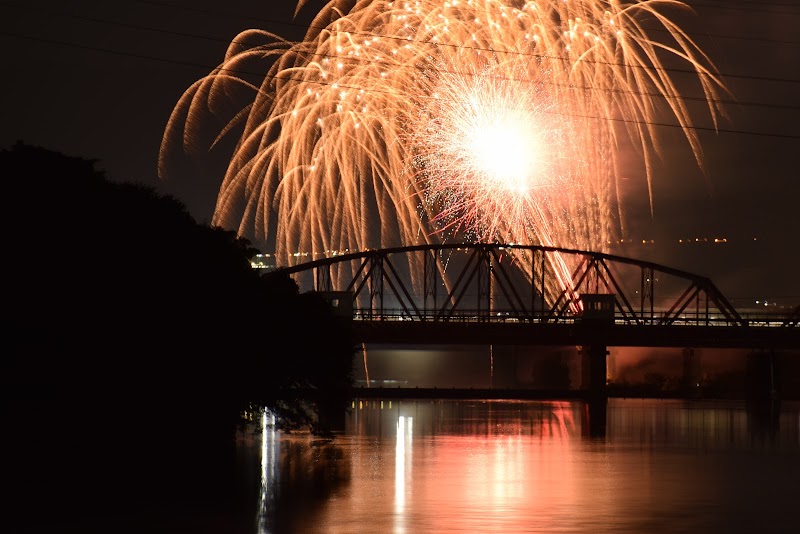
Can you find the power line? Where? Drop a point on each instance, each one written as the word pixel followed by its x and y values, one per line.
pixel 304 27
pixel 227 41
pixel 239 72
pixel 722 5
pixel 289 79
pixel 727 5
pixel 370 34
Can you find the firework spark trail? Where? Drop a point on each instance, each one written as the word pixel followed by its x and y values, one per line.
pixel 398 123
pixel 491 160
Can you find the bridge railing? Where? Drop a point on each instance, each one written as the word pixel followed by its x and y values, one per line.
pixel 512 316
pixel 471 282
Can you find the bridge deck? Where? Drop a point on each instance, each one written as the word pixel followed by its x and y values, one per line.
pixel 577 334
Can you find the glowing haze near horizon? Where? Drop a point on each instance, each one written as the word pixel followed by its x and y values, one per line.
pixel 409 122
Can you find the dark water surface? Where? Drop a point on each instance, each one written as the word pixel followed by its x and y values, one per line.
pixel 431 466
pixel 422 466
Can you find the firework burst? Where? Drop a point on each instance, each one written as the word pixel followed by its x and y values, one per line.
pixel 404 122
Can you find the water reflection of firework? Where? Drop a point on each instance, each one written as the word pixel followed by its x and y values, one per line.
pixel 397 123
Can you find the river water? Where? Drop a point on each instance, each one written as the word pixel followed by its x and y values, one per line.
pixel 441 466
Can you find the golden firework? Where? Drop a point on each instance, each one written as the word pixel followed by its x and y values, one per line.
pixel 404 122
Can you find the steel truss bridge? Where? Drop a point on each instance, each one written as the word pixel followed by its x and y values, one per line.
pixel 525 294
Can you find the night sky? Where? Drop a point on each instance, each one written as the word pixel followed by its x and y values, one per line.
pixel 99 80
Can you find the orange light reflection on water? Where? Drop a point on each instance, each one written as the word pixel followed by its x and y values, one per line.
pixel 473 475
pixel 497 466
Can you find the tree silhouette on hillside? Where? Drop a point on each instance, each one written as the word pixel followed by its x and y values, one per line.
pixel 129 325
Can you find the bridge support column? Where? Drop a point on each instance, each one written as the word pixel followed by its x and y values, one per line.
pixel 690 381
pixel 761 375
pixel 763 394
pixel 594 367
pixel 504 366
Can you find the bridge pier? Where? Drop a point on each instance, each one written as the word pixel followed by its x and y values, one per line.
pixel 594 360
pixel 504 366
pixel 762 376
pixel 763 393
pixel 690 382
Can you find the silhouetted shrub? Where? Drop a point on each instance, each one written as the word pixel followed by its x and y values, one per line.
pixel 137 335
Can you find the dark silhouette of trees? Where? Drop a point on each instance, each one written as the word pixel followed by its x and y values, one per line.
pixel 135 337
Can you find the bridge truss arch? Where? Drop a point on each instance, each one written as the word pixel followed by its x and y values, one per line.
pixel 512 282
